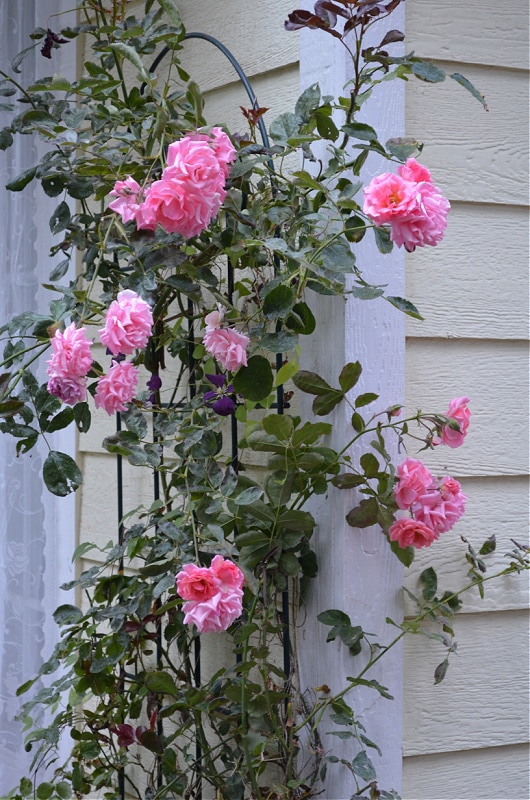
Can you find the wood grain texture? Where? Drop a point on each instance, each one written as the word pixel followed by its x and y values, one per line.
pixel 480 272
pixel 494 773
pixel 474 155
pixel 507 519
pixel 475 32
pixel 483 701
pixel 494 375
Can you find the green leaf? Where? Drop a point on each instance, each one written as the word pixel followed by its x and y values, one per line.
pixel 383 241
pixel 349 375
pixel 248 496
pixel 21 180
pixel 337 257
pixel 60 218
pixel 324 404
pixel 488 546
pixel 306 103
pixel 404 554
pixel 67 615
pixel 406 306
pixel 44 791
pixel 303 178
pixel 286 372
pixel 301 320
pixel 348 480
pixel 311 383
pixel 359 130
pixel 402 148
pixel 334 617
pixel 60 420
pixel 171 12
pixel 81 549
pixel 293 520
pixel 131 55
pixel 60 270
pixel 161 683
pixel 255 380
pixel 440 671
pixel 279 342
pixel 284 127
pixel 427 71
pixel 6 139
pixel 63 790
pixel 365 399
pixel 278 302
pixel 61 474
pixel 82 417
pixel 429 580
pixel 470 88
pixel 370 465
pixel 364 515
pixel 363 767
pixel 280 426
pixel 367 292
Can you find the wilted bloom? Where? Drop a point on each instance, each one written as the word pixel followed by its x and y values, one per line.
pixel 409 531
pixel 228 347
pixel 410 203
pixel 459 412
pixel 117 387
pixel 222 400
pixel 69 390
pixel 128 324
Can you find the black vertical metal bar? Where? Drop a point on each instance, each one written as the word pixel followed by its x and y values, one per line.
pixel 119 478
pixel 159 724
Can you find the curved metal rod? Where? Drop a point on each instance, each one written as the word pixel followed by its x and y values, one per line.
pixel 236 65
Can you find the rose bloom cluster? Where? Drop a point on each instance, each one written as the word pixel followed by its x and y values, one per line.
pixel 213 594
pixel 226 345
pixel 128 326
pixel 190 191
pixel 410 203
pixel 435 505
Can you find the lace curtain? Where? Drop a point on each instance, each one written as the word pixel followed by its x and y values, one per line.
pixel 36 529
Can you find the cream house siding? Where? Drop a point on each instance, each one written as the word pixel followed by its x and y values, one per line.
pixel 467 737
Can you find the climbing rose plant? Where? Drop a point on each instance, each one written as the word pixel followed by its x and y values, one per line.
pixel 200 260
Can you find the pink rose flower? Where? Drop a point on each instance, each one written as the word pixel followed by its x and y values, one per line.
pixel 441 507
pixel 71 356
pixel 427 224
pixel 117 387
pixel 128 324
pixel 414 481
pixel 227 573
pixel 410 203
pixel 129 196
pixel 215 614
pixel 458 411
pixel 228 347
pixel 389 197
pixel 192 187
pixel 214 319
pixel 408 532
pixel 414 172
pixel 69 390
pixel 196 583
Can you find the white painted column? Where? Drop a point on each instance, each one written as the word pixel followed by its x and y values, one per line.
pixel 358 574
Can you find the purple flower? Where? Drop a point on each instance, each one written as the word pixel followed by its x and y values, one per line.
pixel 222 399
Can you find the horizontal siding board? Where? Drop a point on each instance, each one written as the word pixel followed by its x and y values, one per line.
pixel 474 155
pixel 255 36
pixel 507 519
pixel 493 374
pixel 494 773
pixel 483 701
pixel 475 32
pixel 475 283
